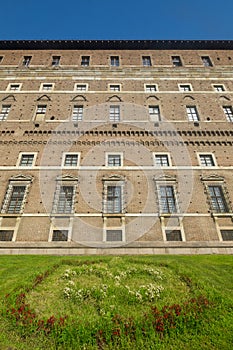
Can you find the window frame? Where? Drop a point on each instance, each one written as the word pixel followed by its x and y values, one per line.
pixel 114 61
pixel 155 116
pixel 56 60
pixel 4 114
pixel 85 61
pixel 176 61
pixel 40 112
pixel 21 154
pixel 109 154
pixel 216 206
pixel 78 115
pixel 116 85
pixel 151 90
pixel 185 85
pixel 85 85
pixel 65 154
pixel 201 154
pixel 206 61
pixel 168 156
pixel 171 208
pixel 146 61
pixel 43 89
pixel 195 115
pixel 15 90
pixel 114 114
pixel 26 61
pixel 228 115
pixel 215 87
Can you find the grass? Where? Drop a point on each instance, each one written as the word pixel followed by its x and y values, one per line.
pixel 116 302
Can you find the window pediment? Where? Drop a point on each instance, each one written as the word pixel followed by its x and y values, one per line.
pixel 21 177
pixel 212 177
pixel 9 98
pixel 152 97
pixel 44 98
pixel 78 98
pixel 114 98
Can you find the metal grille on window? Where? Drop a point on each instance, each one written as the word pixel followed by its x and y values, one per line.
pixel 228 110
pixel 60 235
pixel 77 114
pixel 16 199
pixel 113 235
pixel 167 199
pixel 114 160
pixel 26 160
pixel 71 160
pixel 65 199
pixel 192 113
pixel 4 112
pixel 114 199
pixel 227 235
pixel 162 160
pixel 218 201
pixel 6 235
pixel 114 113
pixel 173 235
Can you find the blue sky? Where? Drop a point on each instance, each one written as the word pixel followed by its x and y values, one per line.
pixel 116 19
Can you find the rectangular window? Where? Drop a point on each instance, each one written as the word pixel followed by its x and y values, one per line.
pixel 192 113
pixel 40 112
pixel 114 160
pixel 206 61
pixel 228 110
pixel 185 87
pixel 56 61
pixel 167 199
pixel 4 112
pixel 60 235
pixel 113 235
pixel 150 88
pixel 71 160
pixel 16 199
pixel 227 235
pixel 114 114
pixel 176 61
pixel 77 113
pixel 85 61
pixel 114 87
pixel 81 87
pixel 26 160
pixel 173 235
pixel 146 61
pixel 154 113
pixel 26 60
pixel 65 199
pixel 14 87
pixel 114 61
pixel 47 87
pixel 1 58
pixel 206 160
pixel 162 160
pixel 218 201
pixel 218 88
pixel 114 199
pixel 6 235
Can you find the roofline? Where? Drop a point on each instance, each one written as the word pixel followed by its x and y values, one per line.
pixel 116 44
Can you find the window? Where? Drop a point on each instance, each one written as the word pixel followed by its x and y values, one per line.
pixel 173 235
pixel 81 87
pixel 27 160
pixel 71 160
pixel 85 61
pixel 114 199
pixel 218 202
pixel 206 61
pixel 4 112
pixel 192 113
pixel 146 61
pixel 162 160
pixel 114 114
pixel 14 87
pixel 77 114
pixel 26 60
pixel 176 61
pixel 219 88
pixel 60 235
pixel 1 58
pixel 206 160
pixel 56 61
pixel 47 87
pixel 114 61
pixel 154 113
pixel 6 235
pixel 40 112
pixel 167 199
pixel 185 87
pixel 115 87
pixel 227 235
pixel 228 110
pixel 114 160
pixel 16 199
pixel 113 235
pixel 65 200
pixel 150 88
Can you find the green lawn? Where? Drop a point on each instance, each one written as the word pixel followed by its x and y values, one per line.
pixel 116 302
